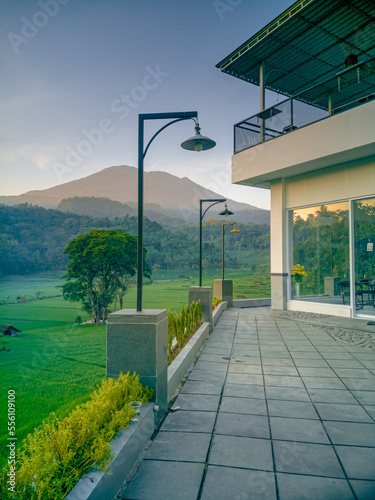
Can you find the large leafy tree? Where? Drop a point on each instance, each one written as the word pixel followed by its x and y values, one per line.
pixel 100 263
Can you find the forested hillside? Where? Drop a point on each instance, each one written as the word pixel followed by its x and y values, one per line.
pixel 33 239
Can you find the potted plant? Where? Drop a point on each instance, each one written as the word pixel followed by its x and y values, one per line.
pixel 298 272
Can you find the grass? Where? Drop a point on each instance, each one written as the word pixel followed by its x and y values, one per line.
pixel 53 364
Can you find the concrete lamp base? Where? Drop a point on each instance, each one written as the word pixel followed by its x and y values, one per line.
pixel 223 290
pixel 204 294
pixel 138 342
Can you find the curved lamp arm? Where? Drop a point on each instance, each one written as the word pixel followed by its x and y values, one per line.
pixel 162 128
pixel 216 202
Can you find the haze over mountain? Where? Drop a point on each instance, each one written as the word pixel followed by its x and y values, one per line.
pixel 163 192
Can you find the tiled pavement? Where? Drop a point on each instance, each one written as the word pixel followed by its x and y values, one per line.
pixel 273 409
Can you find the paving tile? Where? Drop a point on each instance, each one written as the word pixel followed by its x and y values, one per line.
pixel 365 397
pixel 210 366
pixel 370 410
pixel 243 405
pixel 207 376
pixel 200 387
pixel 342 412
pixel 345 363
pixel 280 370
pixel 224 483
pixel 307 458
pixel 242 368
pixel 244 391
pixel 323 383
pixel 337 355
pixel 316 372
pixel 180 446
pixel 232 424
pixel 244 452
pixel 351 433
pixel 152 481
pixel 190 421
pixel 287 393
pixel 298 429
pixel 277 362
pixel 282 381
pixel 217 358
pixel 332 396
pixel 304 348
pixel 224 351
pixel 276 354
pixel 293 409
pixel 200 402
pixel 307 355
pixel 246 359
pixel 364 490
pixel 298 487
pixel 368 364
pixel 359 463
pixel 310 363
pixel 244 378
pixel 355 373
pixel 358 384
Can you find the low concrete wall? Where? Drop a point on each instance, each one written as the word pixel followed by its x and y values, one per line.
pixel 181 363
pixel 127 446
pixel 252 302
pixel 218 311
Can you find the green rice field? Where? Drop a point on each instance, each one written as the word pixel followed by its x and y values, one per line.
pixel 54 364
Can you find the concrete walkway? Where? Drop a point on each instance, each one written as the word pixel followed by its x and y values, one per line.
pixel 274 408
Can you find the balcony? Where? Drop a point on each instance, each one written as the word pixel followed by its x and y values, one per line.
pixel 346 90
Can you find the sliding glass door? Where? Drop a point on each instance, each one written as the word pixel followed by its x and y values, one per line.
pixel 364 255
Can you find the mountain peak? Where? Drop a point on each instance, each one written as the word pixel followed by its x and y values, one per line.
pixel 119 183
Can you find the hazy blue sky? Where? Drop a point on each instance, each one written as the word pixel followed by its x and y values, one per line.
pixel 76 73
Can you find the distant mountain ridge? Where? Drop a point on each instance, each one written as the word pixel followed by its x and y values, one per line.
pixel 163 193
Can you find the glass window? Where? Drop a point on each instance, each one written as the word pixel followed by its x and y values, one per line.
pixel 320 253
pixel 364 254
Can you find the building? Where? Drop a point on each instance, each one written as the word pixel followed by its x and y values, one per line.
pixel 9 330
pixel 315 150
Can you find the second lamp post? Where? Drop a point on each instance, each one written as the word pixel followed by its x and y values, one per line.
pixel 225 212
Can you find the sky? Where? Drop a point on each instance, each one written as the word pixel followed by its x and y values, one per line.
pixel 76 74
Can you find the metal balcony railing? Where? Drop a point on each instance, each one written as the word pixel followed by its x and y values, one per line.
pixel 349 88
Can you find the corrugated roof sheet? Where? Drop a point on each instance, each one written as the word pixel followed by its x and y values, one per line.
pixel 306 44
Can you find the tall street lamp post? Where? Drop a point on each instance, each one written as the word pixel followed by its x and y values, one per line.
pixel 224 230
pixel 225 212
pixel 195 143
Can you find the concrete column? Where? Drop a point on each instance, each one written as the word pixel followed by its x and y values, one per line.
pixel 204 294
pixel 138 342
pixel 223 290
pixel 279 246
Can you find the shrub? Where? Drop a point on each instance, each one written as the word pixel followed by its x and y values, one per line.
pixel 58 453
pixel 183 325
pixel 78 320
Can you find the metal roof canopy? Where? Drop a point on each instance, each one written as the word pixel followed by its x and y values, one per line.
pixel 306 44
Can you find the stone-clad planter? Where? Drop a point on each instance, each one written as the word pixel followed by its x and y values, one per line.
pixel 127 446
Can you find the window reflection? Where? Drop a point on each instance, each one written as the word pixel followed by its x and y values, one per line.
pixel 320 243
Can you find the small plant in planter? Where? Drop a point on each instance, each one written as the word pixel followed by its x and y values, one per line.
pixel 215 302
pixel 298 272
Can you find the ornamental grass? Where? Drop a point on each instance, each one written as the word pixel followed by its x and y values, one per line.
pixel 56 455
